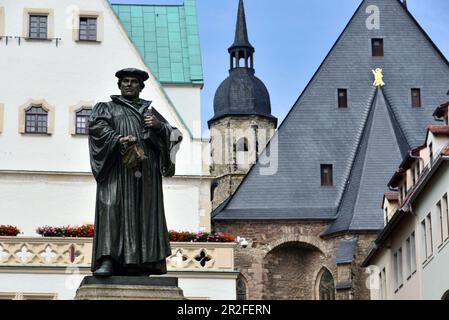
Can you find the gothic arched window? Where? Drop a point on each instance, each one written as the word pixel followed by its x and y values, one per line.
pixel 327 286
pixel 241 288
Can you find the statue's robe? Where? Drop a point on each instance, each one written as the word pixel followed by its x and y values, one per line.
pixel 130 223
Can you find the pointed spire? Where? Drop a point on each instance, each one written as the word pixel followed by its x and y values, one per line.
pixel 241 48
pixel 241 32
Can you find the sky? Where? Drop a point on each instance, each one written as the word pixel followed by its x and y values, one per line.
pixel 291 38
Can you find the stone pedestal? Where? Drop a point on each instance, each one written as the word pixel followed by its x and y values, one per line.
pixel 129 288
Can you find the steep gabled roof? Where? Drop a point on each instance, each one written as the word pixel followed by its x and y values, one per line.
pixel 364 142
pixel 167 38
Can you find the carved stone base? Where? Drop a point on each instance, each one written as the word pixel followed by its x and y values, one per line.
pixel 129 288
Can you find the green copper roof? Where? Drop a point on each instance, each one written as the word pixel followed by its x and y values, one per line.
pixel 167 37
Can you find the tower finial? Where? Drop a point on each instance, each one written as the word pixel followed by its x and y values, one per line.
pixel 241 32
pixel 241 48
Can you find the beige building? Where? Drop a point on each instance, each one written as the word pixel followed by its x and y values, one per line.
pixel 410 257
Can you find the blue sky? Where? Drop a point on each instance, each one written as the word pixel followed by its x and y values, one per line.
pixel 291 38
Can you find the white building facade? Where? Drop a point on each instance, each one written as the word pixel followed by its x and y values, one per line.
pixel 410 258
pixel 58 58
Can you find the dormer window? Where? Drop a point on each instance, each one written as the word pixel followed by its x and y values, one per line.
pixel 377 47
pixel 416 98
pixel 327 179
pixel 342 98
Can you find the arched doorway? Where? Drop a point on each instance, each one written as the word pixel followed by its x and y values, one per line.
pixel 325 285
pixel 289 271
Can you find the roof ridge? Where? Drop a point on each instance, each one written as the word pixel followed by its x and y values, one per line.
pixel 355 150
pixel 358 155
pixel 401 137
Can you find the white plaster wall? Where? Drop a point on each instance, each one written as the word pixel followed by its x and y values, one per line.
pixel 381 261
pixel 65 285
pixel 33 200
pixel 30 201
pixel 411 289
pixel 213 289
pixel 435 278
pixel 64 76
pixel 187 99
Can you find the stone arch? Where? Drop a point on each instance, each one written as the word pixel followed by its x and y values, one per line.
pixel 290 238
pixel 289 267
pixel 318 282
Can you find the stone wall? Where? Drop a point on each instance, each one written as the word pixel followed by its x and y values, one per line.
pixel 284 259
pixel 228 167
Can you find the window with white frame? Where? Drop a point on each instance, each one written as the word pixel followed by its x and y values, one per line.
pixel 408 254
pixel 398 275
pixel 424 240
pixel 413 252
pixel 429 234
pixel 444 209
pixel 441 221
pixel 427 239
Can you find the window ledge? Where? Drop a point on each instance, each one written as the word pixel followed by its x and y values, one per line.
pixel 443 245
pixel 88 41
pixel 38 39
pixel 36 134
pixel 427 261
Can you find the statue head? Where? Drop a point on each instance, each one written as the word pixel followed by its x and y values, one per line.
pixel 131 82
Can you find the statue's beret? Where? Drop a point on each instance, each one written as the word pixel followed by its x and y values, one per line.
pixel 132 72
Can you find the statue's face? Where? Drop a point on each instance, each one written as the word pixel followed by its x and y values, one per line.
pixel 130 88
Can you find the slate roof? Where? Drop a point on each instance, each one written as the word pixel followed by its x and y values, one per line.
pixel 167 38
pixel 346 251
pixel 364 143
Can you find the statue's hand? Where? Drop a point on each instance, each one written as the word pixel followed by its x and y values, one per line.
pixel 126 143
pixel 153 123
pixel 128 140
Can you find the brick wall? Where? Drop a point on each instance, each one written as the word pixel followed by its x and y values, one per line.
pixel 284 258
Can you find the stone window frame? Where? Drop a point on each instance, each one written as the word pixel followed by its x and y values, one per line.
pixel 2 22
pixel 2 116
pixel 46 106
pixel 27 12
pixel 72 115
pixel 88 14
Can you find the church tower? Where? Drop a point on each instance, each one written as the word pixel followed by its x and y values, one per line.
pixel 242 124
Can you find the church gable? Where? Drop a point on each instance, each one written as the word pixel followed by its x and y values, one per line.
pixel 317 131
